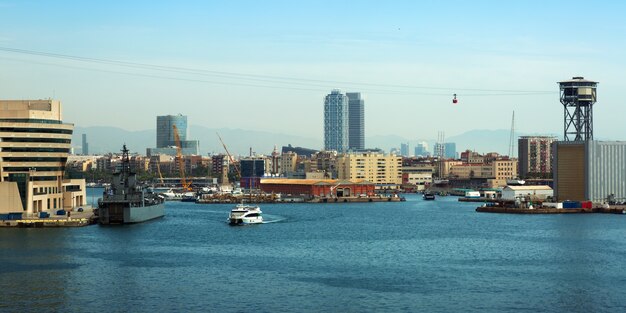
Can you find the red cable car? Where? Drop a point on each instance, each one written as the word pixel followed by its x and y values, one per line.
pixel 455 101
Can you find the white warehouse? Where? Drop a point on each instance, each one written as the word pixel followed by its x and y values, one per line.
pixel 535 192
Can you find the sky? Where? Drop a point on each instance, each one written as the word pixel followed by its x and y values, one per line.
pixel 267 65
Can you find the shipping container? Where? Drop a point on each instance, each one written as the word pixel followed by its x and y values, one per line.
pixel 571 205
pixel 4 216
pixel 44 214
pixel 587 205
pixel 61 212
pixel 15 216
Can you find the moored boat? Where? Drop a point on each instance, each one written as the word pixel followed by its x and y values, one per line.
pixel 428 195
pixel 124 202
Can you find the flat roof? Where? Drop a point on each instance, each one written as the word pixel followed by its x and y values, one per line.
pixel 331 182
pixel 538 187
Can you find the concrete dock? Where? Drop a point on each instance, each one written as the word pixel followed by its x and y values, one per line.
pixel 76 219
pixel 619 209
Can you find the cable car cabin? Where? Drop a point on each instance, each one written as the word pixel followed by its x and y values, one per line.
pixel 454 100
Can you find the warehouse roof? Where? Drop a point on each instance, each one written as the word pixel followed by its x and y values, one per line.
pixel 331 182
pixel 539 187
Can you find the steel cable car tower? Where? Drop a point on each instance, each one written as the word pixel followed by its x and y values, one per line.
pixel 578 96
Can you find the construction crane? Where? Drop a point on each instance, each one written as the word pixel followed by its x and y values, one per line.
pixel 181 164
pixel 230 157
pixel 159 171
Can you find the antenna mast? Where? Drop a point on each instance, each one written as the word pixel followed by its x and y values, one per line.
pixel 512 138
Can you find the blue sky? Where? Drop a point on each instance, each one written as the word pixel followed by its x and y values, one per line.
pixel 300 51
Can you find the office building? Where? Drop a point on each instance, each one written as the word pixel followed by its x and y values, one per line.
pixel 450 150
pixel 336 121
pixel 404 149
pixel 34 147
pixel 356 121
pixel 422 149
pixel 535 156
pixel 252 170
pixel 166 137
pixel 85 150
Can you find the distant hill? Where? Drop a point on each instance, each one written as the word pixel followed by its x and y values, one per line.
pixel 239 141
pixel 103 139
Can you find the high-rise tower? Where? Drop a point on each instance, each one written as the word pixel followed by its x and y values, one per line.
pixel 336 113
pixel 356 121
pixel 166 143
pixel 165 130
pixel 85 150
pixel 578 96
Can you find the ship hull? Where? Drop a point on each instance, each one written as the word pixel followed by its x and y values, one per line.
pixel 117 214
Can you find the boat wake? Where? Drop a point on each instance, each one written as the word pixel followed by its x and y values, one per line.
pixel 267 219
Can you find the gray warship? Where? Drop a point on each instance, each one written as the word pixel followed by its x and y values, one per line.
pixel 125 202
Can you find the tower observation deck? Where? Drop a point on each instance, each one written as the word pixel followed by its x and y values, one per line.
pixel 578 96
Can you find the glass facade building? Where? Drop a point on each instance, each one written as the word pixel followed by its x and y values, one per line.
pixel 165 130
pixel 166 142
pixel 336 121
pixel 356 121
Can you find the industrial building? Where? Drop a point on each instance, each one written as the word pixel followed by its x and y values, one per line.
pixel 529 192
pixel 590 170
pixel 329 188
pixel 167 128
pixel 535 156
pixel 34 147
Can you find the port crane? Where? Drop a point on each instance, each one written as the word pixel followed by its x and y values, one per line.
pixel 159 171
pixel 230 157
pixel 181 163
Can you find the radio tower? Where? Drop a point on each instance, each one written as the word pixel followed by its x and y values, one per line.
pixel 512 138
pixel 441 148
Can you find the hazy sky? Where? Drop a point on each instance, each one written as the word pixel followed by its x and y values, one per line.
pixel 267 65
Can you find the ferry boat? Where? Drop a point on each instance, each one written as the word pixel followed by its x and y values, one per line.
pixel 428 195
pixel 244 214
pixel 124 202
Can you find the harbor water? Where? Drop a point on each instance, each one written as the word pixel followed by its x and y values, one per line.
pixel 413 256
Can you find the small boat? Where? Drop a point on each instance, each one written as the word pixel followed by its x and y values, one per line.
pixel 428 196
pixel 244 214
pixel 189 198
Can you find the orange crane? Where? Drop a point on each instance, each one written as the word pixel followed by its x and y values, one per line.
pixel 181 164
pixel 230 157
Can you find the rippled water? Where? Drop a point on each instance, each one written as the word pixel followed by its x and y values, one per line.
pixel 436 256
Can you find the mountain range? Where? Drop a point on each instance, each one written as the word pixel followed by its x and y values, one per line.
pixel 104 139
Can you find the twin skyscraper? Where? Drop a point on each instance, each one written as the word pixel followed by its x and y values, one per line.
pixel 344 121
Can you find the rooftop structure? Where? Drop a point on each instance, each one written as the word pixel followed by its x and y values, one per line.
pixel 578 96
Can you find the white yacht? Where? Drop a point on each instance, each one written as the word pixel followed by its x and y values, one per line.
pixel 244 214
